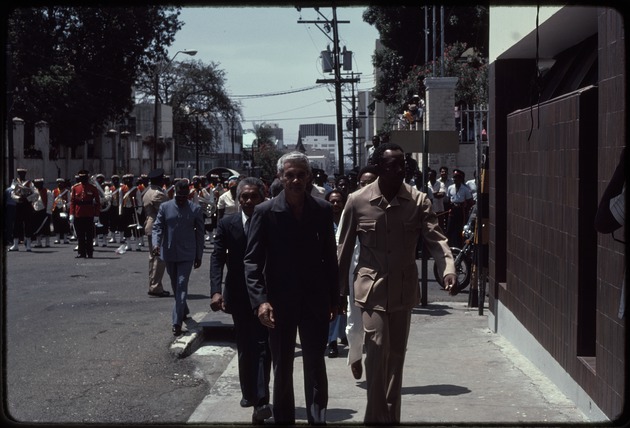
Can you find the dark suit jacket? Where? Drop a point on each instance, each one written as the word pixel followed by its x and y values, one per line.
pixel 229 248
pixel 290 262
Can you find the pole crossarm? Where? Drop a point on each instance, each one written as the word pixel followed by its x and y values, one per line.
pixel 355 80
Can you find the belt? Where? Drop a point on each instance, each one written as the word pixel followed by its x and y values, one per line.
pixel 457 204
pixel 84 202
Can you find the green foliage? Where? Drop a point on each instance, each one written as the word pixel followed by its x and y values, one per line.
pixel 74 67
pixel 401 62
pixel 472 74
pixel 265 152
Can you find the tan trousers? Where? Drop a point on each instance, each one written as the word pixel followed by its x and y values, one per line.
pixel 385 345
pixel 156 270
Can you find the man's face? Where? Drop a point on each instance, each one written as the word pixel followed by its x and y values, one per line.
pixel 295 178
pixel 443 174
pixel 336 200
pixel 181 199
pixel 366 178
pixel 249 198
pixel 392 167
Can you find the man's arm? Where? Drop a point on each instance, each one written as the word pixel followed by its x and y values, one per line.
pixel 199 233
pixel 156 232
pixel 435 240
pixel 605 222
pixel 347 235
pixel 217 263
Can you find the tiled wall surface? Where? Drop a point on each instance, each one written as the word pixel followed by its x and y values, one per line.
pixel 549 167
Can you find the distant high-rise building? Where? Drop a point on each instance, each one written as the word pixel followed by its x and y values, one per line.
pixel 318 130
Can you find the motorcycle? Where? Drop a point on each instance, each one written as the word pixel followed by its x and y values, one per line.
pixel 464 257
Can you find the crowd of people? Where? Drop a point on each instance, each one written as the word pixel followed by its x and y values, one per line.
pixel 36 214
pixel 333 260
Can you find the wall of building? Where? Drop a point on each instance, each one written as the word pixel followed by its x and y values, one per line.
pixel 554 283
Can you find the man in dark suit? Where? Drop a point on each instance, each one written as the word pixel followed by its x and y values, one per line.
pixel 291 273
pixel 252 338
pixel 178 239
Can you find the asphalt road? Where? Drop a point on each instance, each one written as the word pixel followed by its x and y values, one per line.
pixel 83 343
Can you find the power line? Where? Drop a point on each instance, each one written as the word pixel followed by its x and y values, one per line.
pixel 273 94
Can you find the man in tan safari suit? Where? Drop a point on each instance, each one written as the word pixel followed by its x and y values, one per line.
pixel 388 216
pixel 151 201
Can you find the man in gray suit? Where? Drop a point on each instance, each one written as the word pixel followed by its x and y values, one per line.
pixel 153 197
pixel 178 233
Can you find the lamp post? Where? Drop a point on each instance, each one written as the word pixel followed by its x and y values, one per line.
pixel 112 134
pixel 125 135
pixel 156 112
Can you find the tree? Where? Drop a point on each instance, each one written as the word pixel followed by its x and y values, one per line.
pixel 401 31
pixel 74 67
pixel 200 102
pixel 265 153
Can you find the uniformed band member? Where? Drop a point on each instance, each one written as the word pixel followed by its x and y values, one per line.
pixel 103 227
pixel 129 219
pixel 24 195
pixel 115 211
pixel 42 214
pixel 85 206
pixel 61 195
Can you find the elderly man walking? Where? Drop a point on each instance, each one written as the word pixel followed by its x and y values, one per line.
pixel 291 273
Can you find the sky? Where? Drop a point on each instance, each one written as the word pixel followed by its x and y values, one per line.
pixel 264 50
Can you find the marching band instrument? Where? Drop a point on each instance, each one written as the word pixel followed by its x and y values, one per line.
pixel 61 204
pixel 22 189
pixel 106 199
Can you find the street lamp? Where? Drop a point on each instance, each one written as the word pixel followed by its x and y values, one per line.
pixel 112 134
pixel 125 135
pixel 156 112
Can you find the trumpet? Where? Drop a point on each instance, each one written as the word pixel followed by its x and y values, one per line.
pixel 22 189
pixel 106 198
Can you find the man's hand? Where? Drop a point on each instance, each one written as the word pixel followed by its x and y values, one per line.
pixel 333 312
pixel 265 315
pixel 197 263
pixel 156 251
pixel 71 218
pixel 217 303
pixel 450 284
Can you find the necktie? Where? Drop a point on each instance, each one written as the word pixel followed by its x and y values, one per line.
pixel 246 227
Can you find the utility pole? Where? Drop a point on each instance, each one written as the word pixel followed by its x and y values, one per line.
pixel 354 127
pixel 328 25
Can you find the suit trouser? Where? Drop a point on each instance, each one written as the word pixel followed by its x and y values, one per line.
pixel 386 335
pixel 156 270
pixel 254 356
pixel 313 330
pixel 84 226
pixel 354 322
pixel 180 274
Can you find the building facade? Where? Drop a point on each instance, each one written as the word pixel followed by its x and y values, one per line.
pixel 554 283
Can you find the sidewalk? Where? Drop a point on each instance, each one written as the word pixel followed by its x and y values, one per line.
pixel 456 371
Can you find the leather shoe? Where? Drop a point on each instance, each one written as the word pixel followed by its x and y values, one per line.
pixel 177 330
pixel 357 369
pixel 333 351
pixel 261 413
pixel 162 294
pixel 246 403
